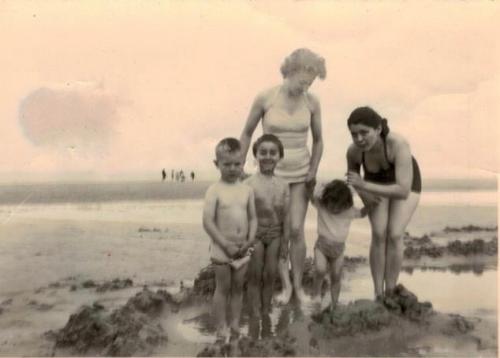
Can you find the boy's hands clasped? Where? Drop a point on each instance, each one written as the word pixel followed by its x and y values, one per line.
pixel 237 250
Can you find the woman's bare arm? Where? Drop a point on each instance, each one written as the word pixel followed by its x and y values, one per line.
pixel 317 137
pixel 256 112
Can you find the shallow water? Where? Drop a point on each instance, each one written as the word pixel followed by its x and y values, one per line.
pixel 177 247
pixel 468 294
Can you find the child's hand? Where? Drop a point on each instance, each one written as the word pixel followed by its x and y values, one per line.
pixel 243 249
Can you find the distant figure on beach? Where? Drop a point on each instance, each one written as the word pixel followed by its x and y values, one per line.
pixel 289 111
pixel 272 199
pixel 176 176
pixel 192 176
pixel 163 175
pixel 335 213
pixel 181 176
pixel 172 175
pixel 391 179
pixel 230 220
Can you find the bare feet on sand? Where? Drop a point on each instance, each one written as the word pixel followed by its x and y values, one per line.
pixel 301 296
pixel 284 297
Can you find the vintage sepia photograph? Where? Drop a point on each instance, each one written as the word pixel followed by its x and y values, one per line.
pixel 249 178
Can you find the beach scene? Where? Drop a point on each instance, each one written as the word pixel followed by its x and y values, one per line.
pixel 61 254
pixel 126 127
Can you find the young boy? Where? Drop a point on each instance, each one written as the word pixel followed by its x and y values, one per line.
pixel 230 220
pixel 272 198
pixel 335 213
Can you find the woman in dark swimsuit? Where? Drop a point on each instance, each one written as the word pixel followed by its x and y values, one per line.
pixel 392 181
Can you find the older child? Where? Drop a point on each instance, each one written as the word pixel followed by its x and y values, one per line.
pixel 272 198
pixel 230 220
pixel 335 213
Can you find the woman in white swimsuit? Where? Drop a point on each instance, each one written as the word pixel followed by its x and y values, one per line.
pixel 288 111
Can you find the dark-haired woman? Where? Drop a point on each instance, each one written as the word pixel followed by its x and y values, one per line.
pixel 391 177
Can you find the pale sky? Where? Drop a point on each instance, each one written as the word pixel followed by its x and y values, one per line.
pixel 117 88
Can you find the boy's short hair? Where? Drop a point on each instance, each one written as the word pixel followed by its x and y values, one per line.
pixel 337 191
pixel 268 138
pixel 227 145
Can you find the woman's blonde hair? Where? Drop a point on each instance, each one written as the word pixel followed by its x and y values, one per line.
pixel 303 58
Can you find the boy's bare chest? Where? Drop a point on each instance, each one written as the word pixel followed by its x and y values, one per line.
pixel 233 199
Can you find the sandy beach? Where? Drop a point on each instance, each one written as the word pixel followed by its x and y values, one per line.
pixel 59 257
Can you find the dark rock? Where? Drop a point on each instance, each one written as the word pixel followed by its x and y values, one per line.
pixel 7 302
pixel 469 228
pixel 204 283
pixel 115 284
pixel 363 316
pixel 458 325
pixel 404 302
pixel 89 284
pixel 475 247
pixel 360 316
pixel 282 346
pixel 128 330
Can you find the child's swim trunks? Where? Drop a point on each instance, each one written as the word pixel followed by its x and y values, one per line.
pixel 331 249
pixel 267 234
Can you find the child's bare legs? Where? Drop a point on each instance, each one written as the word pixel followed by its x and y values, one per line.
pixel 269 276
pixel 221 296
pixel 237 280
pixel 255 279
pixel 336 278
pixel 321 266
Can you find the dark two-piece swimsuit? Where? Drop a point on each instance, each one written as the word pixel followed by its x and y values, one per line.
pixel 388 176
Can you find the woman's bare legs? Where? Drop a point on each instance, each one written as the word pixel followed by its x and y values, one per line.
pixel 379 216
pixel 298 210
pixel 400 213
pixel 286 284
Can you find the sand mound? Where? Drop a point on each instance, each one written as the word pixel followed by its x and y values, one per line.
pixel 128 330
pixel 245 347
pixel 204 283
pixel 365 315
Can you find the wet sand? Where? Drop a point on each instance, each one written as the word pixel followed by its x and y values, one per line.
pixel 53 268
